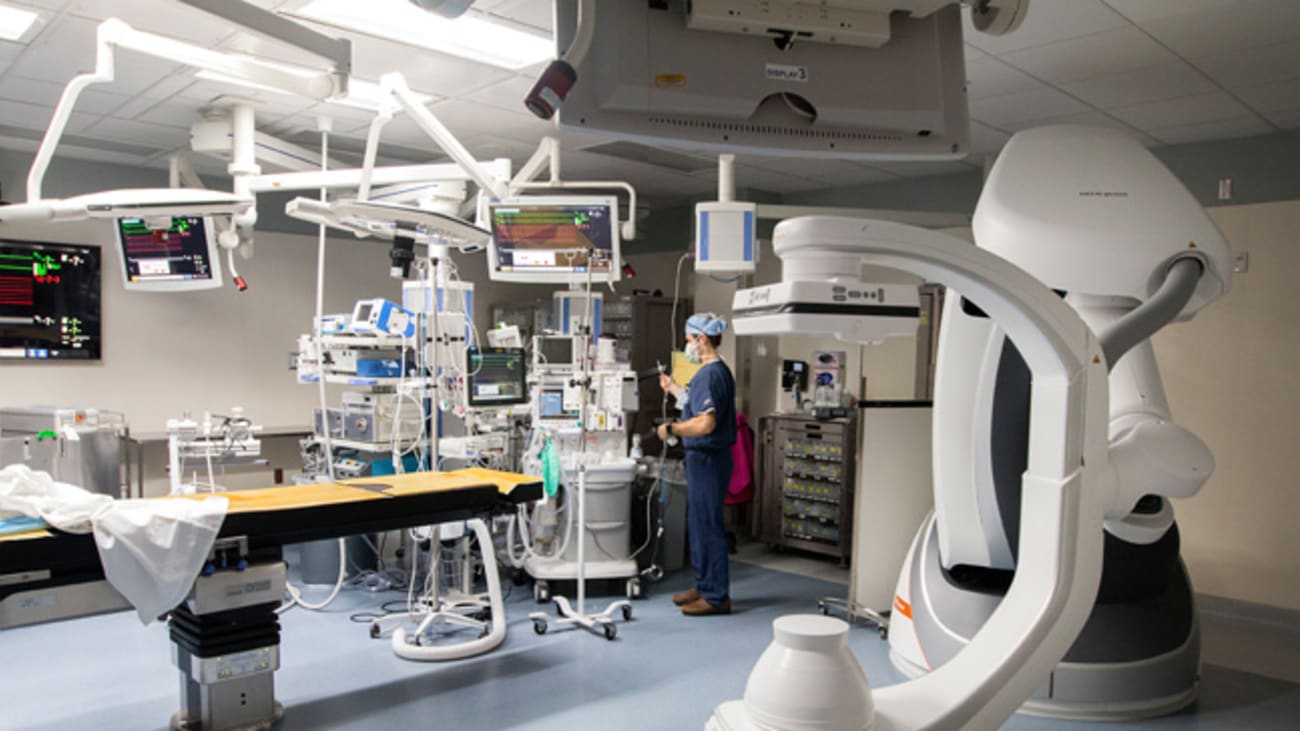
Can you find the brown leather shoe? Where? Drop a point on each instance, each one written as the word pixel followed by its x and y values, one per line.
pixel 701 608
pixel 686 597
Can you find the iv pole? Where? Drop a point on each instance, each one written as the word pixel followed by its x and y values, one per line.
pixel 569 614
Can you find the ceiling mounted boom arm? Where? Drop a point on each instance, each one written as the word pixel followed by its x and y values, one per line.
pixel 114 33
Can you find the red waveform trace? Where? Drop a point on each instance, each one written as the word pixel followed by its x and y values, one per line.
pixel 151 244
pixel 548 234
pixel 16 291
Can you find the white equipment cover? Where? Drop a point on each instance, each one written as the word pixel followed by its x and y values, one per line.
pixel 151 549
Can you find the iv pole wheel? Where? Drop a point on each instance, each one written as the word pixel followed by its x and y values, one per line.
pixel 539 626
pixel 611 631
pixel 627 613
pixel 633 589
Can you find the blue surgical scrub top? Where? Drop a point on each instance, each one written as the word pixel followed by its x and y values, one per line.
pixel 712 389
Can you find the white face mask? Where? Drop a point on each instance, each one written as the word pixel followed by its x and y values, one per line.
pixel 693 352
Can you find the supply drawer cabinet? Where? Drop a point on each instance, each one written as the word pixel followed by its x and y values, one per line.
pixel 806 480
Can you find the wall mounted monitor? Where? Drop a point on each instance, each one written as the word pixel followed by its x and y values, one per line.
pixel 497 377
pixel 554 239
pixel 50 306
pixel 176 254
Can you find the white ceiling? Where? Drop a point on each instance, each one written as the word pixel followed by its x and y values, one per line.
pixel 1167 71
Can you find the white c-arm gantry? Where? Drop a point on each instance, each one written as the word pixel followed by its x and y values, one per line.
pixel 1069 486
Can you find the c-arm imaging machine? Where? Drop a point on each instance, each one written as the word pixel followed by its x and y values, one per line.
pixel 1098 206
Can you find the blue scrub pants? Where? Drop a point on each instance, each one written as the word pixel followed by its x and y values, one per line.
pixel 708 475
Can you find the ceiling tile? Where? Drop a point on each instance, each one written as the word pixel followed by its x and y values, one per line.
pixel 1093 118
pixel 1273 97
pixel 1048 22
pixel 526 12
pixel 1250 66
pixel 426 71
pixel 861 176
pixel 748 176
pixel 1141 11
pixel 1026 105
pixel 1289 119
pixel 67 48
pixel 989 76
pixel 802 167
pixel 1144 85
pixel 1242 24
pixel 141 133
pixel 8 52
pixel 1181 111
pixel 922 169
pixel 47 93
pixel 177 114
pixel 37 117
pixel 1217 130
pixel 984 138
pixel 170 86
pixel 173 20
pixel 469 118
pixel 1099 54
pixel 507 94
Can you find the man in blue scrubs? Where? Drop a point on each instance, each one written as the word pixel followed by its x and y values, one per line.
pixel 708 430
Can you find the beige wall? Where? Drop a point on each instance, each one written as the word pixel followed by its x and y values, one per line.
pixel 1231 377
pixel 167 353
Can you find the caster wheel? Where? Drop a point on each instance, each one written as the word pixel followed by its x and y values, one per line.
pixel 539 626
pixel 633 589
pixel 822 608
pixel 541 592
pixel 884 633
pixel 374 631
pixel 627 613
pixel 610 631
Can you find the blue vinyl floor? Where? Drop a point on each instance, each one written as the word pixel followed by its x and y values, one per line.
pixel 664 671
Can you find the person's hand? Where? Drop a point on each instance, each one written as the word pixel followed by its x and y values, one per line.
pixel 666 383
pixel 663 432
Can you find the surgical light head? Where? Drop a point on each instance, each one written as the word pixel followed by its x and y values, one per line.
pixel 151 204
pixel 391 221
pixel 1091 211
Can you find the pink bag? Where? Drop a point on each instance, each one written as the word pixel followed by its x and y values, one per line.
pixel 741 489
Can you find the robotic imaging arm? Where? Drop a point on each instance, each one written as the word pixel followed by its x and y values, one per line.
pixel 1051 595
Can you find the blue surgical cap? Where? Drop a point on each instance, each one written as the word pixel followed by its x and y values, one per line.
pixel 705 323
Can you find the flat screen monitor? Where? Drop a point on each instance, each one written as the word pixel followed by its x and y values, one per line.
pixel 551 405
pixel 49 301
pixel 497 377
pixel 554 239
pixel 747 92
pixel 556 352
pixel 178 258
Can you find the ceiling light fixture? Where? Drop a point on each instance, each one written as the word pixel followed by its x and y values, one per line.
pixel 361 94
pixel 14 22
pixel 469 36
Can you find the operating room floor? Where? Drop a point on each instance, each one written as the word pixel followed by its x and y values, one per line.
pixel 663 672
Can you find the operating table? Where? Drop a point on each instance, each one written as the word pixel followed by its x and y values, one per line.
pixel 226 634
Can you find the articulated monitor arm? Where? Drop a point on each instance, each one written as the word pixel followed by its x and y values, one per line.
pixel 1068 487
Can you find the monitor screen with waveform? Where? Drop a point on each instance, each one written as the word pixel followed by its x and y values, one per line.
pixel 163 256
pixel 50 307
pixel 554 239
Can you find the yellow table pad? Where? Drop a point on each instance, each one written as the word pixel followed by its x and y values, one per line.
pixel 289 497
